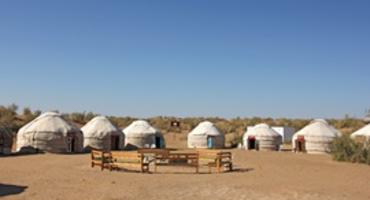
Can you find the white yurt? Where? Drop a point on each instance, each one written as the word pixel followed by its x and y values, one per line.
pixel 50 133
pixel 362 134
pixel 315 137
pixel 206 135
pixel 262 137
pixel 140 134
pixel 6 141
pixel 100 133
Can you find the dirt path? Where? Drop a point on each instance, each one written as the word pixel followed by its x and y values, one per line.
pixel 259 175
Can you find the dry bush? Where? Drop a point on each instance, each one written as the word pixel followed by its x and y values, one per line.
pixel 345 149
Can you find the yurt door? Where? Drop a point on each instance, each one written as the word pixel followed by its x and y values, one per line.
pixel 71 144
pixel 211 142
pixel 251 143
pixel 158 142
pixel 114 143
pixel 2 142
pixel 300 144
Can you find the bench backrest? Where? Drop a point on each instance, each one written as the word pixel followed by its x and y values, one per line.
pixel 98 154
pixel 214 154
pixel 121 156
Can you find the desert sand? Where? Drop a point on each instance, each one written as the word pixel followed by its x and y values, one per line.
pixel 258 175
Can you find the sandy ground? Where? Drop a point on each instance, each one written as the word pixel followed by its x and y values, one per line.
pixel 259 175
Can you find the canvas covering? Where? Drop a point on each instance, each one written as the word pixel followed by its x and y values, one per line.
pixel 98 134
pixel 363 132
pixel 318 136
pixel 198 137
pixel 140 134
pixel 50 133
pixel 267 138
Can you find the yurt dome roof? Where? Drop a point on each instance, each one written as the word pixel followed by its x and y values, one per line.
pixel 206 128
pixel 49 122
pixel 364 131
pixel 140 127
pixel 262 130
pixel 99 127
pixel 319 127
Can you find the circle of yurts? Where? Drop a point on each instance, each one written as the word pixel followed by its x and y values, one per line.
pixel 6 141
pixel 50 133
pixel 199 136
pixel 267 138
pixel 363 132
pixel 100 133
pixel 140 134
pixel 318 136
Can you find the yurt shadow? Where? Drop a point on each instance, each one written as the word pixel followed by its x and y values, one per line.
pixel 28 152
pixel 6 190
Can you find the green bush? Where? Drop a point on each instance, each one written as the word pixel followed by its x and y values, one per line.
pixel 345 149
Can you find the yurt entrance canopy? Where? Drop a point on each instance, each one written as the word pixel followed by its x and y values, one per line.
pixel 100 133
pixel 51 133
pixel 140 134
pixel 206 135
pixel 315 137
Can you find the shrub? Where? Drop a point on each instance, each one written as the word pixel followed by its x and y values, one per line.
pixel 347 150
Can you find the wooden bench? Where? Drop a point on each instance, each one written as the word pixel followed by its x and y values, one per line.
pixel 164 157
pixel 215 158
pixel 100 158
pixel 155 153
pixel 183 159
pixel 124 160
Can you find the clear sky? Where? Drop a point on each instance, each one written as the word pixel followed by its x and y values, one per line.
pixel 286 58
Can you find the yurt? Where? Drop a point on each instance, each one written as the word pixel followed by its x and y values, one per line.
pixel 140 134
pixel 100 133
pixel 6 141
pixel 262 137
pixel 362 134
pixel 206 135
pixel 315 137
pixel 50 133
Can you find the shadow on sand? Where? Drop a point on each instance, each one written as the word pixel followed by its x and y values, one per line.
pixel 241 170
pixel 6 190
pixel 236 170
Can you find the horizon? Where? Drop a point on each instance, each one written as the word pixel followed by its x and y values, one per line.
pixel 286 59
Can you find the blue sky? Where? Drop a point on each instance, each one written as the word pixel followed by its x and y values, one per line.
pixel 288 58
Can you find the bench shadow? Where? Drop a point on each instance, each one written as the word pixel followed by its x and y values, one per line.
pixel 130 171
pixel 236 170
pixel 241 170
pixel 6 189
